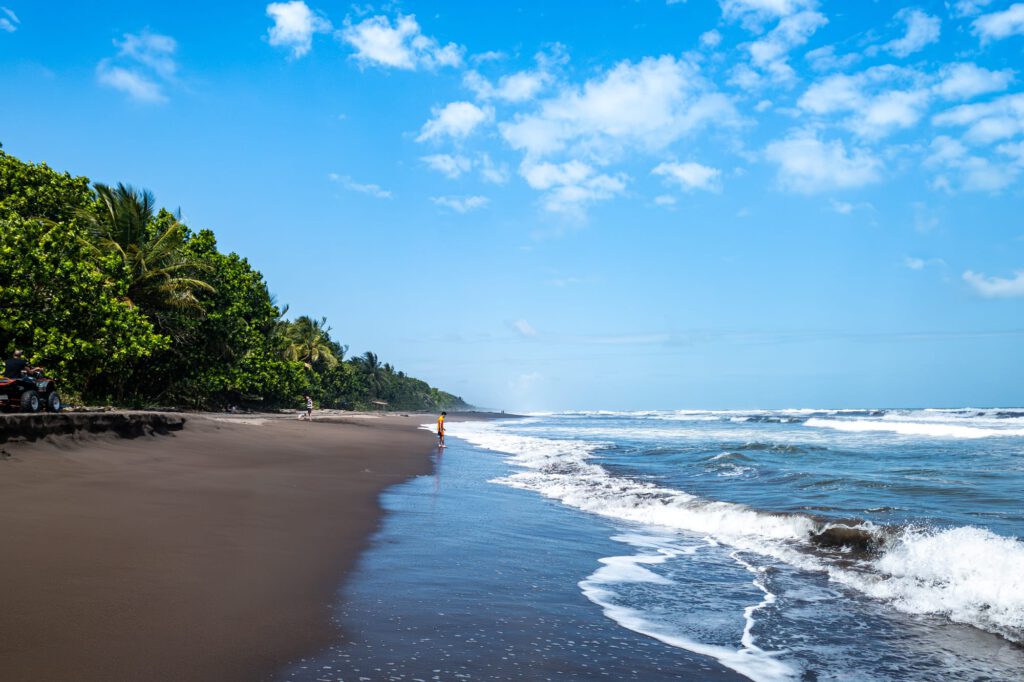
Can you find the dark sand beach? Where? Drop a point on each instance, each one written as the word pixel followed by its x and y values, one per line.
pixel 211 553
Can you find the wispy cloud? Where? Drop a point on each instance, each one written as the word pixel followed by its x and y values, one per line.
pixel 754 14
pixel 987 122
pixel 571 186
pixel 363 188
pixel 921 30
pixel 518 87
pixel 770 54
pixel 996 287
pixel 1000 25
pixel 462 204
pixel 524 328
pixel 690 175
pixel 144 64
pixel 922 263
pixel 968 8
pixel 969 171
pixel 451 166
pixel 10 22
pixel 295 24
pixel 568 281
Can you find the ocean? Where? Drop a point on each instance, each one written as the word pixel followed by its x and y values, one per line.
pixel 766 545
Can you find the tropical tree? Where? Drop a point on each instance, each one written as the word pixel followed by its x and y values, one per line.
pixel 125 304
pixel 60 304
pixel 372 371
pixel 150 247
pixel 309 342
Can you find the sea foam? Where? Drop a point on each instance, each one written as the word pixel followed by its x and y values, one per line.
pixel 967 574
pixel 935 429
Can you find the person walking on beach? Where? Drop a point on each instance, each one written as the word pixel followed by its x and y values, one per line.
pixel 440 430
pixel 309 407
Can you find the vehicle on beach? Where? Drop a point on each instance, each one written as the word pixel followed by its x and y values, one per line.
pixel 30 393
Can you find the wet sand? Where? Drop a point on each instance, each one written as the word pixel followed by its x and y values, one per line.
pixel 212 553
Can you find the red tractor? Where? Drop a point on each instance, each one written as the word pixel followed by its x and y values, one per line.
pixel 29 393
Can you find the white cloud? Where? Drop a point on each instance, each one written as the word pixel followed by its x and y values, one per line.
pixel 890 111
pixel 710 39
pixel 448 165
pixel 547 175
pixel 143 65
pixel 809 165
pixel 518 87
pixel 489 56
pixel 402 46
pixel 1015 151
pixel 350 184
pixel 151 50
pixel 571 186
pixel 649 105
pixel 294 26
pixel 9 23
pixel 1000 25
pixel 132 83
pixel 873 111
pixel 996 287
pixel 690 175
pixel 922 30
pixel 454 166
pixel 665 200
pixel 461 204
pixel 524 328
pixel 825 59
pixel 922 263
pixel 753 14
pixel 971 172
pixel 966 80
pixel 456 120
pixel 770 53
pixel 842 207
pixel 837 93
pixel 987 122
pixel 968 8
pixel 495 173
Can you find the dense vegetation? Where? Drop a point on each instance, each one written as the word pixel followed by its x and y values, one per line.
pixel 126 305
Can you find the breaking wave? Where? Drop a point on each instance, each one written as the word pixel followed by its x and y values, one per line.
pixel 967 574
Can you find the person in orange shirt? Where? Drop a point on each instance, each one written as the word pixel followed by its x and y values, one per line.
pixel 440 430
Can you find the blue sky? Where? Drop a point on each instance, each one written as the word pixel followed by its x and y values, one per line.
pixel 648 204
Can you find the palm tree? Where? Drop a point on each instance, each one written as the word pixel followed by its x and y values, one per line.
pixel 162 275
pixel 373 370
pixel 308 342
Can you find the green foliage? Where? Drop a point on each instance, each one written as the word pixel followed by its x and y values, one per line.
pixel 36 191
pixel 62 308
pixel 308 341
pixel 163 276
pixel 123 303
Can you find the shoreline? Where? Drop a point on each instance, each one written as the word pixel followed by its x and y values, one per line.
pixel 210 553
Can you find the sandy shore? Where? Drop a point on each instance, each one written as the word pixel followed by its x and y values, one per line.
pixel 212 553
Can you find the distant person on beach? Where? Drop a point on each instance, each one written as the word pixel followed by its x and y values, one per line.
pixel 440 429
pixel 309 408
pixel 15 367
